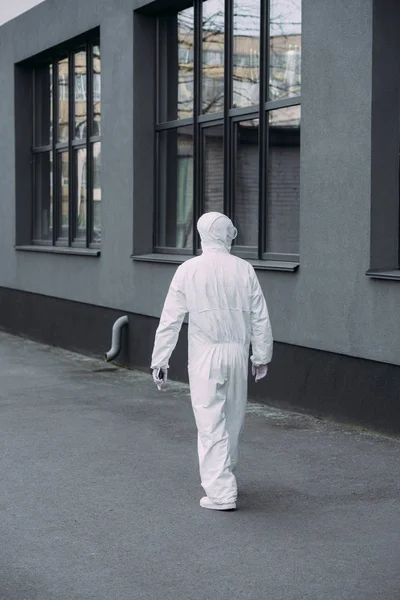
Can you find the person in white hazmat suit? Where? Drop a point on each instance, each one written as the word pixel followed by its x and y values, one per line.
pixel 227 312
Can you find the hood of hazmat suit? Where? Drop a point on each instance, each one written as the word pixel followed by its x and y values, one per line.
pixel 227 312
pixel 216 231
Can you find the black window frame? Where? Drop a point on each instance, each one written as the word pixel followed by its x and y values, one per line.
pixel 52 57
pixel 229 116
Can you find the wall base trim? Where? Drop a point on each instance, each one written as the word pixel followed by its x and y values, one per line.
pixel 334 386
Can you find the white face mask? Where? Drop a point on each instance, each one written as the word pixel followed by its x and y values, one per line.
pixel 216 231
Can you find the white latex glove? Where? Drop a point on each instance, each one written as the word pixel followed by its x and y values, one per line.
pixel 260 371
pixel 160 378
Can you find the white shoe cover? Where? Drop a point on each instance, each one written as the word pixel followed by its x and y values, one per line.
pixel 205 502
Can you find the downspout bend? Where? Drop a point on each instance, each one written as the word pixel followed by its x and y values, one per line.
pixel 116 339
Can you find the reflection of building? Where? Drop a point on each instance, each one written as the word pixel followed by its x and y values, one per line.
pixel 321 230
pixel 69 106
pixel 284 77
pixel 283 191
pixel 285 65
pixel 284 69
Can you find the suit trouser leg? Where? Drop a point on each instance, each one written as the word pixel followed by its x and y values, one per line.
pixel 218 385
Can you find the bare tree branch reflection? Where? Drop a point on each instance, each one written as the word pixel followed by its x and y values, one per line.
pixel 283 79
pixel 284 58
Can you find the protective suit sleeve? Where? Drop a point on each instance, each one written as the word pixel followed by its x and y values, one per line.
pixel 261 332
pixel 170 324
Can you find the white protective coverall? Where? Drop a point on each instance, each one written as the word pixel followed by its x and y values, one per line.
pixel 227 312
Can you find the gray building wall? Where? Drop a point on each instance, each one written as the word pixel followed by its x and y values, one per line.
pixel 329 304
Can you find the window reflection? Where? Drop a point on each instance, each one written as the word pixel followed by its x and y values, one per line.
pixel 231 40
pixel 213 168
pixel 80 83
pixel 246 183
pixel 96 192
pixel 213 27
pixel 63 103
pixel 63 207
pixel 185 63
pixel 285 49
pixel 96 90
pixel 43 219
pixel 283 181
pixel 81 193
pixel 176 188
pixel 246 53
pixel 43 105
pixel 176 63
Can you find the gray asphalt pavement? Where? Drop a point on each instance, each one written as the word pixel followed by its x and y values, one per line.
pixel 99 495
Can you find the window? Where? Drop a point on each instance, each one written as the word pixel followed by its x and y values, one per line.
pixel 228 124
pixel 67 149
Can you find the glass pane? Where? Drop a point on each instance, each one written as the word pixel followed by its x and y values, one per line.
pixel 246 171
pixel 285 49
pixel 283 181
pixel 213 56
pixel 43 218
pixel 176 63
pixel 43 105
pixel 96 192
pixel 80 106
pixel 62 79
pixel 63 195
pixel 213 168
pixel 96 91
pixel 175 185
pixel 80 193
pixel 246 53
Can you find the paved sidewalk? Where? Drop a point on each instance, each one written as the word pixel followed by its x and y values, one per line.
pixel 99 495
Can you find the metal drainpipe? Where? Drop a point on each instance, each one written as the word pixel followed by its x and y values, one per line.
pixel 116 339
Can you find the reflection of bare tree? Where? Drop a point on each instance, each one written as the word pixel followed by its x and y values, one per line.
pixel 213 28
pixel 63 111
pixel 185 63
pixel 285 48
pixel 96 90
pixel 284 79
pixel 285 66
pixel 246 53
pixel 284 54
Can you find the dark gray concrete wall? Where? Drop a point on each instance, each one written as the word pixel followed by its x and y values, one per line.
pixel 329 304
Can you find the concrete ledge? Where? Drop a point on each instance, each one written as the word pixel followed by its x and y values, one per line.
pixel 60 250
pixel 263 265
pixel 393 275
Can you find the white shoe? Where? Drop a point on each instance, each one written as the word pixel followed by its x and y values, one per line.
pixel 205 502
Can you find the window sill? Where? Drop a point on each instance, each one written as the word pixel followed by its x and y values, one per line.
pixel 178 259
pixel 173 259
pixel 274 265
pixel 60 250
pixel 392 274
